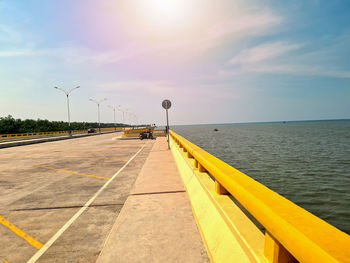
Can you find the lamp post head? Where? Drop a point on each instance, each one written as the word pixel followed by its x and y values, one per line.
pixel 65 92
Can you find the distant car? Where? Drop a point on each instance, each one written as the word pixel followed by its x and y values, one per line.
pixel 91 130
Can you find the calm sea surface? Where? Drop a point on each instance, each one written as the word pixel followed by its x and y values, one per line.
pixel 306 162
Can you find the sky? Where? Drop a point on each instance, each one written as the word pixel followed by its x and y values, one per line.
pixel 217 61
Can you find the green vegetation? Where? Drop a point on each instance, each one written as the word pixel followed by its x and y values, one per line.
pixel 10 125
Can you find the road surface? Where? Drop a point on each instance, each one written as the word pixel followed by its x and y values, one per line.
pixel 58 200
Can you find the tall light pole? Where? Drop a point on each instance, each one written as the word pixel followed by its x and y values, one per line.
pixel 67 94
pixel 114 108
pixel 126 111
pixel 123 112
pixel 98 102
pixel 129 117
pixel 135 118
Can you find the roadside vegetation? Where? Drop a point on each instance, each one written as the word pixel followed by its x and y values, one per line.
pixel 9 125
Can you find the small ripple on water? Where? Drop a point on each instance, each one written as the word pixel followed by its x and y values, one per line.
pixel 307 162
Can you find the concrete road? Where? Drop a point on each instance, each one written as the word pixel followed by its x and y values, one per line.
pixel 58 200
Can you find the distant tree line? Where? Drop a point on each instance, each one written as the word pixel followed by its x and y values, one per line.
pixel 11 125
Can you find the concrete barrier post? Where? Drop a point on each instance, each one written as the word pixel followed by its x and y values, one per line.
pixel 195 163
pixel 275 252
pixel 201 168
pixel 219 189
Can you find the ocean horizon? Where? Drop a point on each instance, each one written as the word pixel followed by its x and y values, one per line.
pixel 261 122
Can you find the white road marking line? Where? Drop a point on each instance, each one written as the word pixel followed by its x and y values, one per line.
pixel 48 244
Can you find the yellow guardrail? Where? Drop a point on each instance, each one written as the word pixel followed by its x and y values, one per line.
pixel 135 133
pixel 111 129
pixel 36 134
pixel 138 130
pixel 29 134
pixel 291 231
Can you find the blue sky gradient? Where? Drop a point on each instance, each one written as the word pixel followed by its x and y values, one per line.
pixel 218 61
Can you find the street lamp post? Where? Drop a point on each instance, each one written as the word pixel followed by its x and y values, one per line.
pixel 119 108
pixel 98 102
pixel 129 117
pixel 114 108
pixel 67 94
pixel 126 111
pixel 135 120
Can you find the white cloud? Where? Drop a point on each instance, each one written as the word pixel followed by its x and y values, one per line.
pixel 9 35
pixel 267 58
pixel 17 53
pixel 82 55
pixel 163 89
pixel 69 55
pixel 243 25
pixel 305 70
pixel 264 52
pixel 159 87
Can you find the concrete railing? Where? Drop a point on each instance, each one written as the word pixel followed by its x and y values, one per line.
pixel 31 134
pixel 292 233
pixel 135 133
pixel 138 130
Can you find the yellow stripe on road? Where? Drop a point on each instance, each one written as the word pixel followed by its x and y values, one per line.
pixel 4 260
pixel 20 233
pixel 66 171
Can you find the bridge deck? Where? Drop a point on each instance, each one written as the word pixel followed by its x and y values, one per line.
pixel 59 200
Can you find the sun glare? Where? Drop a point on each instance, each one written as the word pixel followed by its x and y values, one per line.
pixel 166 12
pixel 160 20
pixel 166 7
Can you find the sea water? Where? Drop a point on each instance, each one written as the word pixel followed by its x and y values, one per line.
pixel 307 162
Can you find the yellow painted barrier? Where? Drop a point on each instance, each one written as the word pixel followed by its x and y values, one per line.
pixel 30 134
pixel 135 133
pixel 111 129
pixel 138 130
pixel 292 233
pixel 4 136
